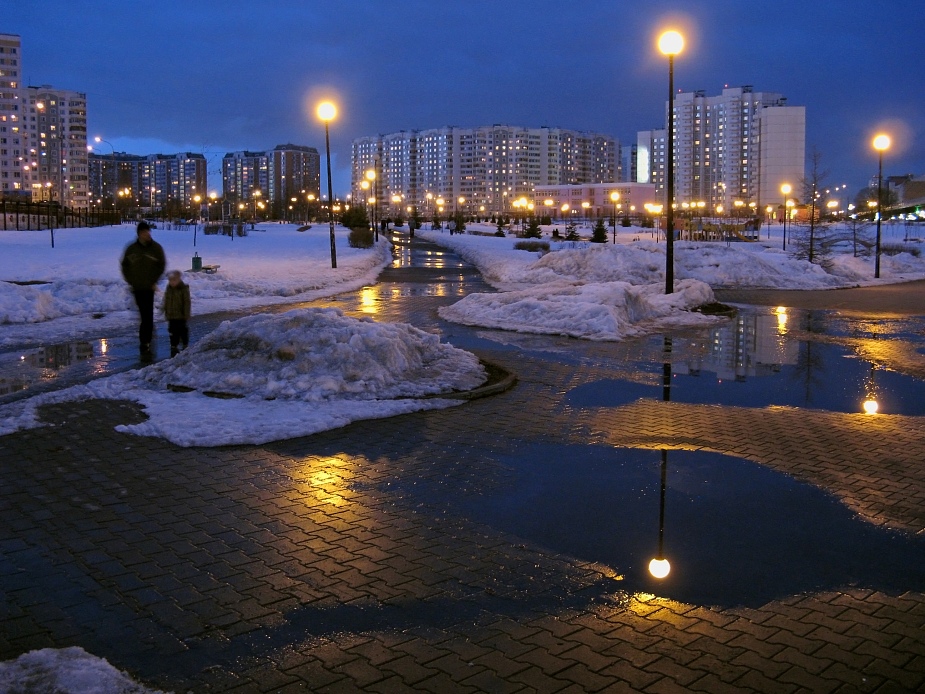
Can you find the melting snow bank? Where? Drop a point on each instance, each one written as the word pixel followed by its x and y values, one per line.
pixel 597 311
pixel 281 376
pixel 66 671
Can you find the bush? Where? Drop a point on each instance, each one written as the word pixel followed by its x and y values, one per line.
pixel 360 237
pixel 534 246
pixel 897 248
pixel 625 222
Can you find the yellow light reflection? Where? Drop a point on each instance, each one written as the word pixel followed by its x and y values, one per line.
pixel 369 300
pixel 104 346
pixel 781 319
pixel 659 568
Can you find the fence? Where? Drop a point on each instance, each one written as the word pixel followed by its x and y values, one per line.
pixel 27 216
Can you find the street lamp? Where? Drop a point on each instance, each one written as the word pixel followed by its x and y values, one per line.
pixel 112 155
pixel 881 143
pixel 326 112
pixel 614 198
pixel 670 43
pixel 785 189
pixel 371 184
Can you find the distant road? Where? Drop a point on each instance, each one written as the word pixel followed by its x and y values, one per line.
pixel 906 299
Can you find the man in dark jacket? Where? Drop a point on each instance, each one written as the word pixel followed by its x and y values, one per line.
pixel 143 263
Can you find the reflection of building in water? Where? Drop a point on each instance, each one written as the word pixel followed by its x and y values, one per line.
pixel 750 345
pixel 58 356
pixel 19 372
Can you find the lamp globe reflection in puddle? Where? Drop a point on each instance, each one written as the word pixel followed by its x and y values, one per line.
pixel 659 567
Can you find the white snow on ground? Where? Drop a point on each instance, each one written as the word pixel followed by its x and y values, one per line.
pixel 305 372
pixel 65 671
pixel 80 276
pixel 287 375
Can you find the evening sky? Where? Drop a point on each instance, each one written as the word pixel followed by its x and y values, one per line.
pixel 217 76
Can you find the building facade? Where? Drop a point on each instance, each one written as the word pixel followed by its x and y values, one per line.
pixel 43 136
pixel 55 125
pixel 595 200
pixel 278 175
pixel 150 182
pixel 741 145
pixel 12 139
pixel 481 169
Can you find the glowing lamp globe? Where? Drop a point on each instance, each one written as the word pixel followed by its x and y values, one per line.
pixel 871 406
pixel 659 568
pixel 881 142
pixel 670 43
pixel 327 111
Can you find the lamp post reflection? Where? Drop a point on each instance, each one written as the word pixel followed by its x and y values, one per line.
pixel 659 566
pixel 870 404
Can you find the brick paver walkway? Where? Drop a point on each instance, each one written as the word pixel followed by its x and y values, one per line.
pixel 310 565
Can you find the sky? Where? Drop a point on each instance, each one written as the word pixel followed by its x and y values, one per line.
pixel 214 77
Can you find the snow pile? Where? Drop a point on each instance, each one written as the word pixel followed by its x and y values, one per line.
pixel 282 376
pixel 42 302
pixel 594 311
pixel 66 671
pixel 318 354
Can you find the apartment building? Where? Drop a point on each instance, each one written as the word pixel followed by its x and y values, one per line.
pixel 151 182
pixel 482 169
pixel 12 139
pixel 280 174
pixel 43 136
pixel 741 145
pixel 594 200
pixel 55 167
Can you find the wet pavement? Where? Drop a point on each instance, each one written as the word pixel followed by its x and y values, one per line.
pixel 503 545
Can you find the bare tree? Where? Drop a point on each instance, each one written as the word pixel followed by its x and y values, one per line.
pixel 814 240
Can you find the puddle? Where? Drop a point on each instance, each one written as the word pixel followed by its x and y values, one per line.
pixel 734 533
pixel 23 369
pixel 758 361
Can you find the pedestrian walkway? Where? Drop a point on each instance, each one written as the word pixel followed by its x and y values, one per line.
pixel 421 553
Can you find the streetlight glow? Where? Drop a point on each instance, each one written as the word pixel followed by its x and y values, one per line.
pixel 670 42
pixel 327 111
pixel 881 142
pixel 659 568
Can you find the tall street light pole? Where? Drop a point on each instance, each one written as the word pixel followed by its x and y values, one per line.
pixel 112 156
pixel 670 43
pixel 881 143
pixel 614 197
pixel 326 112
pixel 785 189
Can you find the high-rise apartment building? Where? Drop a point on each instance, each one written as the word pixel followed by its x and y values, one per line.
pixel 151 182
pixel 483 169
pixel 285 172
pixel 12 139
pixel 55 125
pixel 43 136
pixel 739 146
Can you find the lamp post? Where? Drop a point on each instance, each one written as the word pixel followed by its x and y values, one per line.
pixel 371 184
pixel 326 112
pixel 881 143
pixel 112 156
pixel 785 189
pixel 670 43
pixel 614 198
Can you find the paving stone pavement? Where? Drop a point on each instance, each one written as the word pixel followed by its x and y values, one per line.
pixel 317 564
